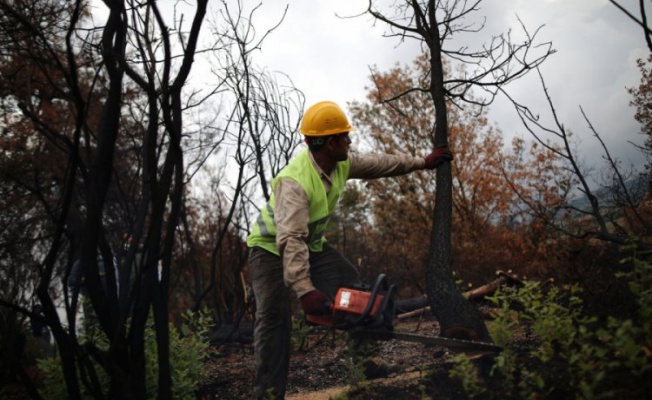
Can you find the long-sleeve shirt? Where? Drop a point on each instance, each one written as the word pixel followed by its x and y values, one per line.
pixel 292 211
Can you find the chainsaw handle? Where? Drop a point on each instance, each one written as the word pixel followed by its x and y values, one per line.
pixel 389 297
pixel 380 281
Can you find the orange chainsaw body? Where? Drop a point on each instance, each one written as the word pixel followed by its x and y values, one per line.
pixel 348 303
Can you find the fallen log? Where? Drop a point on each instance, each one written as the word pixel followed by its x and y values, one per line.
pixel 475 294
pixel 413 313
pixel 242 333
pixel 407 305
pixel 491 287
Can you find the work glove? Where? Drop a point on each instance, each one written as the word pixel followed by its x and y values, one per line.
pixel 315 303
pixel 438 157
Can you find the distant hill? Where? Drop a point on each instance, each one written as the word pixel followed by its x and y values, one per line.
pixel 609 197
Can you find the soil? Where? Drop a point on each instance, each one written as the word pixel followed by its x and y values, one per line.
pixel 320 369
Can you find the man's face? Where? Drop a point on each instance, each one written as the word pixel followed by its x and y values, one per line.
pixel 340 146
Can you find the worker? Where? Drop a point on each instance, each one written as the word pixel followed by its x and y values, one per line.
pixel 288 251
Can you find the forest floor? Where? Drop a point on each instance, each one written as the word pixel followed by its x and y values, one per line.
pixel 321 369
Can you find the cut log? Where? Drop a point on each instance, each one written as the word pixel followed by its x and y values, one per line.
pixel 406 305
pixel 491 287
pixel 504 278
pixel 414 313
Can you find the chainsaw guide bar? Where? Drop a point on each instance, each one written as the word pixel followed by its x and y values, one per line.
pixel 459 345
pixel 368 313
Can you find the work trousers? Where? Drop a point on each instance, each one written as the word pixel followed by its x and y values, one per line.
pixel 329 271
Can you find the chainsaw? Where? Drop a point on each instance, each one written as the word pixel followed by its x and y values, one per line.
pixel 368 313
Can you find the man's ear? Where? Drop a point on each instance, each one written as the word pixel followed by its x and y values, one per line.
pixel 329 142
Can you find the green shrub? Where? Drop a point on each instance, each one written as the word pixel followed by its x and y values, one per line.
pixel 467 374
pixel 553 350
pixel 189 350
pixel 300 334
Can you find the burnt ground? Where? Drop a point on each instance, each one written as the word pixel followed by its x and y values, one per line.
pixel 319 370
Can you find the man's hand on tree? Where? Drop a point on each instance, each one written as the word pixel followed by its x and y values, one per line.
pixel 438 157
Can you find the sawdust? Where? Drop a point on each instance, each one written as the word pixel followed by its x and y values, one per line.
pixel 330 393
pixel 326 394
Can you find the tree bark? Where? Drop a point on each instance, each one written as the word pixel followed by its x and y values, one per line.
pixel 449 306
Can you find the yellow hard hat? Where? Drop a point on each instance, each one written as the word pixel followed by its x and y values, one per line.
pixel 324 118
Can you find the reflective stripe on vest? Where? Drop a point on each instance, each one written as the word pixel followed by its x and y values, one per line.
pixel 261 222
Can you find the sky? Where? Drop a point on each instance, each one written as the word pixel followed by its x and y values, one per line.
pixel 327 48
pixel 329 58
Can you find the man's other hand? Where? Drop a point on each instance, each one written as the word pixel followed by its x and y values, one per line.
pixel 315 303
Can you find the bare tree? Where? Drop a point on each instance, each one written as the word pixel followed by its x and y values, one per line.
pixel 261 128
pixel 435 24
pixel 596 219
pixel 163 170
pixel 47 104
pixel 640 21
pixel 71 84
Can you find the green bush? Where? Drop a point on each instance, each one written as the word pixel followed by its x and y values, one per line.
pixel 300 333
pixel 189 350
pixel 553 350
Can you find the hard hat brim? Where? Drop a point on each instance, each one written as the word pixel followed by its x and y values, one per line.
pixel 314 133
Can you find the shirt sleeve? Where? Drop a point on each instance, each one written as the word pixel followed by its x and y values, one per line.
pixel 292 216
pixel 372 166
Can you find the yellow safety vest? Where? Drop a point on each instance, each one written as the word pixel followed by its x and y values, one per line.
pixel 302 170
